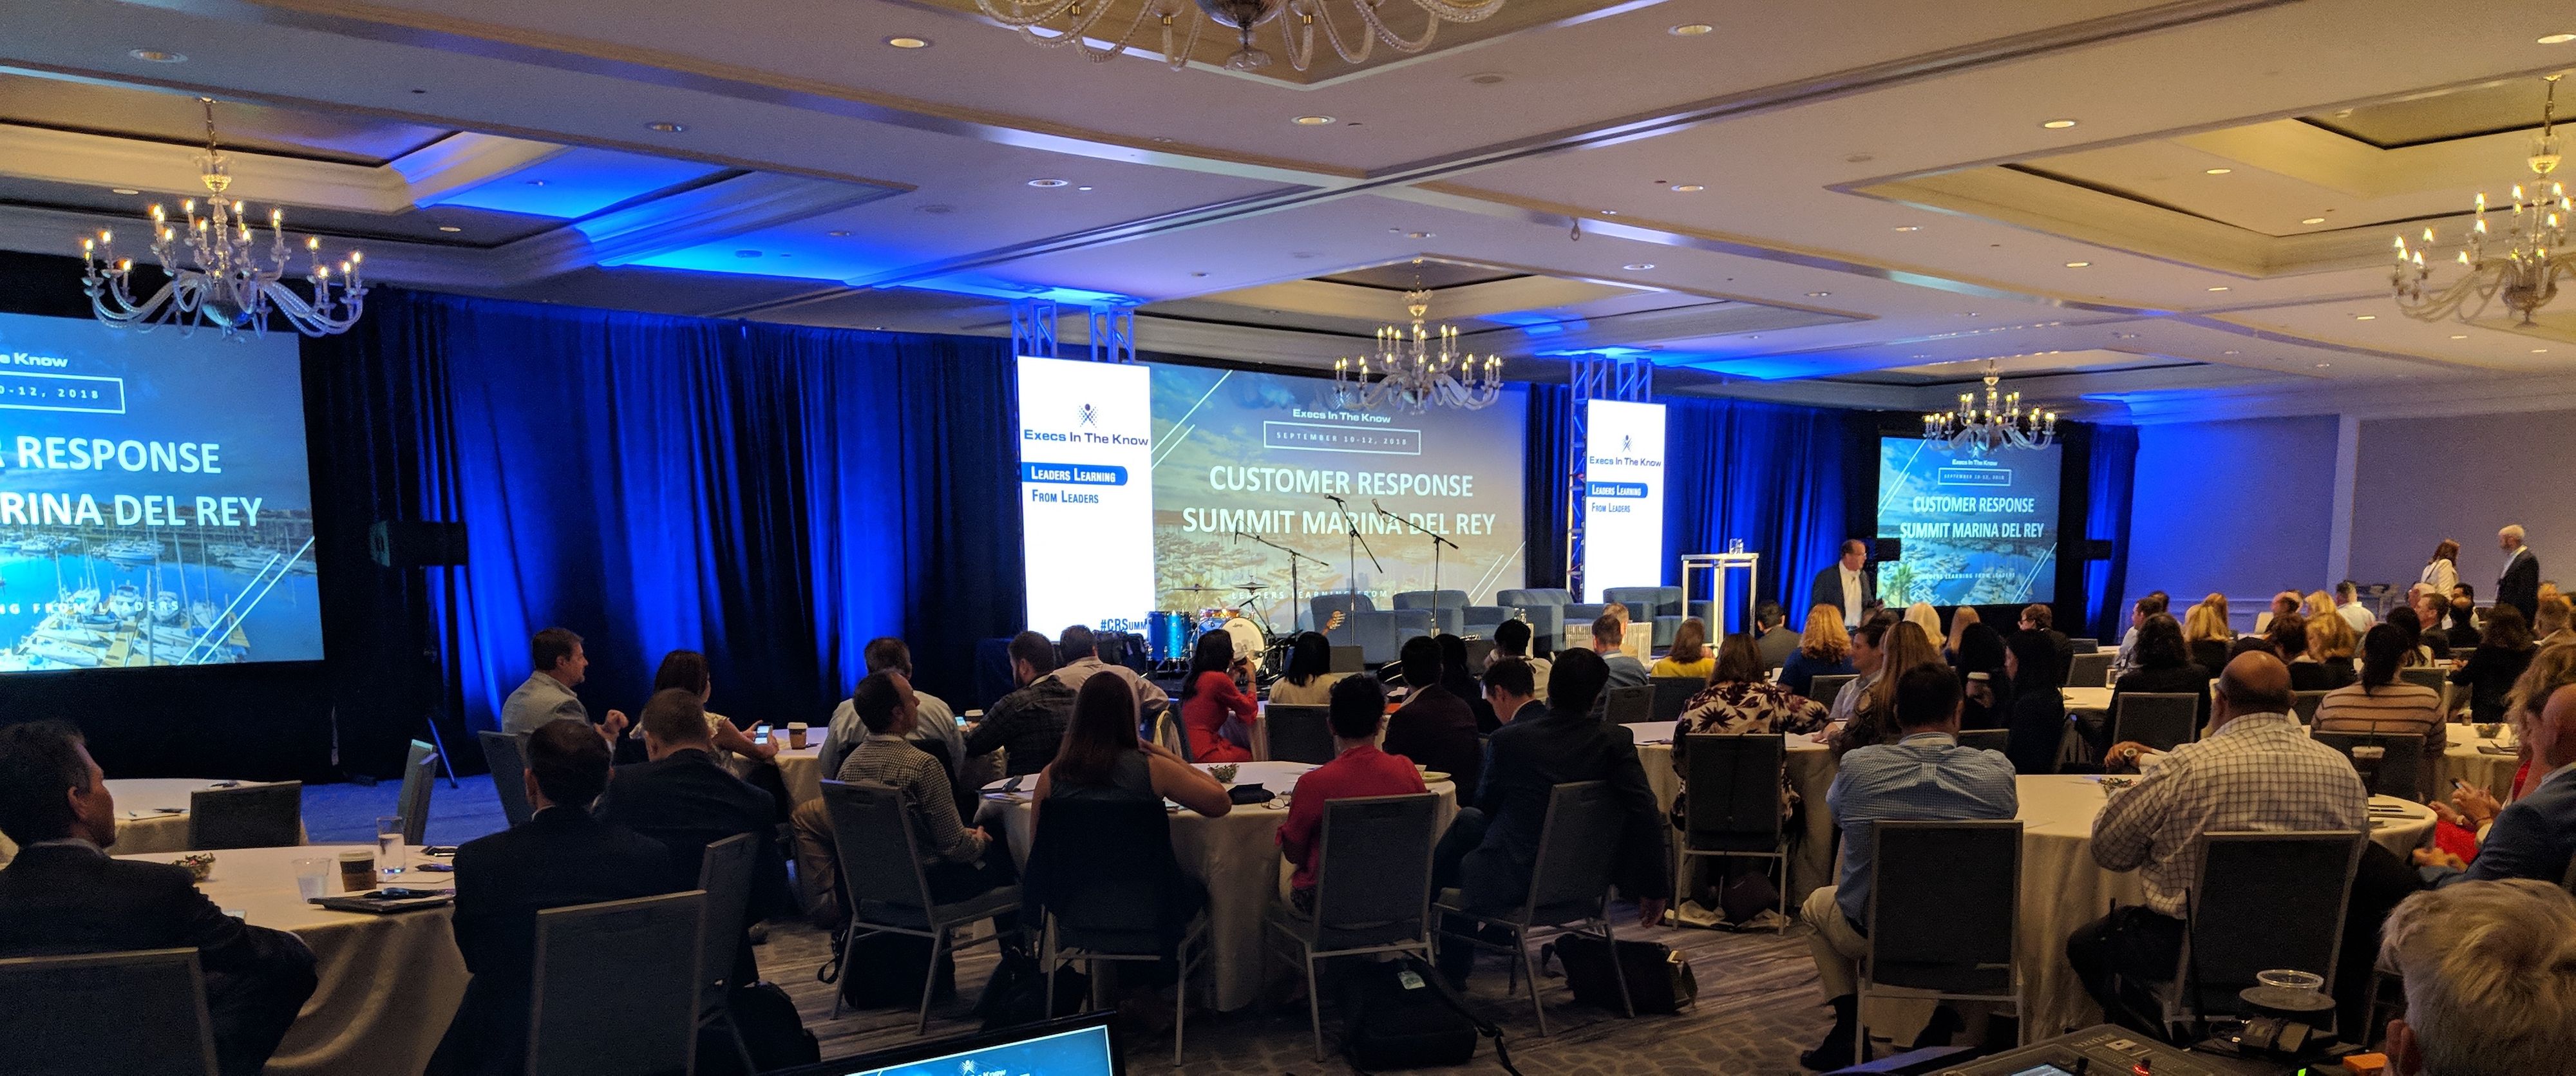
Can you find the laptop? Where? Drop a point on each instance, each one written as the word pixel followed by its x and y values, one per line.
pixel 1074 1046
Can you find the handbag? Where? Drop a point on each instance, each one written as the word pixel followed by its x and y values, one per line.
pixel 1659 980
pixel 1402 1016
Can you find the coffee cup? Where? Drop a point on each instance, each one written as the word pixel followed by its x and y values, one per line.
pixel 357 870
pixel 796 734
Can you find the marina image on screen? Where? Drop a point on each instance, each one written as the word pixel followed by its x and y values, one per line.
pixel 1976 530
pixel 155 507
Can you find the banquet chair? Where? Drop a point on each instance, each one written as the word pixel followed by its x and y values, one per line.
pixel 1986 739
pixel 724 875
pixel 2432 676
pixel 889 893
pixel 2390 763
pixel 50 1007
pixel 1825 688
pixel 1174 733
pixel 1299 733
pixel 1569 883
pixel 1108 887
pixel 615 987
pixel 2160 721
pixel 1372 888
pixel 506 756
pixel 1673 695
pixel 2263 900
pixel 420 772
pixel 1628 705
pixel 246 816
pixel 1941 915
pixel 2089 670
pixel 2083 646
pixel 2303 705
pixel 1731 806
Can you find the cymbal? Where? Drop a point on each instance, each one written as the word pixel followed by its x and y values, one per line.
pixel 1196 589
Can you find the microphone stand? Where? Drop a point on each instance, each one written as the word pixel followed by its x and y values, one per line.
pixel 1436 542
pixel 1294 608
pixel 1351 582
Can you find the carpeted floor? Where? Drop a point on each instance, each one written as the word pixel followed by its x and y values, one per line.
pixel 1757 1007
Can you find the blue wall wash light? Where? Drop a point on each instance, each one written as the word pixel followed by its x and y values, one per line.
pixel 575 183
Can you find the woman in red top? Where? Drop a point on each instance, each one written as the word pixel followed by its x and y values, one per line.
pixel 1217 713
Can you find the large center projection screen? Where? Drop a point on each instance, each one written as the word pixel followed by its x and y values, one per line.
pixel 1977 530
pixel 155 507
pixel 1259 453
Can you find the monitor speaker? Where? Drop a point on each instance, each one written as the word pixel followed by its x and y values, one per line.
pixel 1889 549
pixel 2093 549
pixel 400 544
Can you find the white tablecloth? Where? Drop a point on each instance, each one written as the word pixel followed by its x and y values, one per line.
pixel 802 769
pixel 2094 699
pixel 1238 857
pixel 142 823
pixel 1811 772
pixel 2462 760
pixel 389 983
pixel 2062 888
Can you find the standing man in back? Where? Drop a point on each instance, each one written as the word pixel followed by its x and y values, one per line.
pixel 546 696
pixel 1848 584
pixel 2519 584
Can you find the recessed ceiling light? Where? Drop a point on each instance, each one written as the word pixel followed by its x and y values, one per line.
pixel 1311 121
pixel 1909 227
pixel 123 190
pixel 2221 287
pixel 1082 188
pixel 2365 317
pixel 1417 235
pixel 2231 353
pixel 2460 336
pixel 1688 188
pixel 2323 365
pixel 2215 171
pixel 666 127
pixel 909 42
pixel 449 228
pixel 2540 351
pixel 2058 125
pixel 1047 183
pixel 2557 39
pixel 157 56
pixel 2077 265
pixel 837 233
pixel 1818 294
pixel 1695 29
pixel 1609 212
pixel 1638 267
pixel 2313 220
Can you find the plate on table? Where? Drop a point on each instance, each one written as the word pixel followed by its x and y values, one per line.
pixel 1433 777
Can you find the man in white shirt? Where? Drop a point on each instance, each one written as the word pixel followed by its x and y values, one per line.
pixel 547 695
pixel 2348 605
pixel 1080 653
pixel 1847 585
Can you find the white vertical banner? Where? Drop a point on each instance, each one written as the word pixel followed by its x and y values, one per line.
pixel 1623 496
pixel 1086 493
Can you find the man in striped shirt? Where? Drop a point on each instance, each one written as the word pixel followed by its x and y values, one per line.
pixel 2255 770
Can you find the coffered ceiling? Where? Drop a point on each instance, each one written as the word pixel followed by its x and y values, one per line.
pixel 1842 201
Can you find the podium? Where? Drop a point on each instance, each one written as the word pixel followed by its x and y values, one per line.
pixel 1719 566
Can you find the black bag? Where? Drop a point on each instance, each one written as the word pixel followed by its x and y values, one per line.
pixel 776 1036
pixel 1016 994
pixel 1402 1017
pixel 1748 894
pixel 885 972
pixel 1658 982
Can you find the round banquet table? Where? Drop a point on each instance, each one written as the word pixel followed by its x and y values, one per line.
pixel 2062 888
pixel 1811 772
pixel 2461 760
pixel 389 984
pixel 1237 856
pixel 151 814
pixel 802 769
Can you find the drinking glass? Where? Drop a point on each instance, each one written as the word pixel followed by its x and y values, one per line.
pixel 389 844
pixel 312 878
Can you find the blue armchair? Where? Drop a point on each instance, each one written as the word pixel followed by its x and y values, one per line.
pixel 1549 610
pixel 1452 613
pixel 1379 633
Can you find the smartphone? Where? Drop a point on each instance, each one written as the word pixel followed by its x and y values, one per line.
pixel 2458 785
pixel 434 868
pixel 760 736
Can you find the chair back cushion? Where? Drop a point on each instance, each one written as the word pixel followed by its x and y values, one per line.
pixel 724 875
pixel 1986 739
pixel 644 954
pixel 1104 869
pixel 1734 799
pixel 1576 847
pixel 1942 906
pixel 420 774
pixel 2390 763
pixel 1628 705
pixel 155 1000
pixel 1299 733
pixel 247 816
pixel 2265 901
pixel 1549 596
pixel 2160 721
pixel 873 834
pixel 2089 670
pixel 1431 599
pixel 1673 694
pixel 506 755
pixel 1824 688
pixel 1373 872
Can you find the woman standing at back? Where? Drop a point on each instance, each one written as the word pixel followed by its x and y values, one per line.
pixel 2443 570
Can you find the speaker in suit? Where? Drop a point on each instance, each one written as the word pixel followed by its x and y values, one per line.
pixel 1827 589
pixel 2519 586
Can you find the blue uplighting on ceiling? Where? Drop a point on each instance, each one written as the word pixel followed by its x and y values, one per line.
pixel 574 183
pixel 742 256
pixel 997 288
pixel 1763 367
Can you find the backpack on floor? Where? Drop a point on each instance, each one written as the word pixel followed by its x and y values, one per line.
pixel 1399 1015
pixel 1658 980
pixel 1016 994
pixel 771 1029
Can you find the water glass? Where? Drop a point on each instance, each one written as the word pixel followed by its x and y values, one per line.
pixel 389 844
pixel 312 878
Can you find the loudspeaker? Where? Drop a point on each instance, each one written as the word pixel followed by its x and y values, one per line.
pixel 1889 549
pixel 2093 549
pixel 401 544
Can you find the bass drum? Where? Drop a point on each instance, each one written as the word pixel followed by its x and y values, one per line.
pixel 1168 635
pixel 1248 640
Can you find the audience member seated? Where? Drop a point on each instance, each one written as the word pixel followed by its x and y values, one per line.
pixel 1824 649
pixel 561 857
pixel 1080 654
pixel 1926 776
pixel 2038 716
pixel 1607 633
pixel 2549 621
pixel 2348 605
pixel 2465 628
pixel 1961 619
pixel 1028 723
pixel 2490 980
pixel 2333 643
pixel 1310 676
pixel 2381 703
pixel 2255 770
pixel 1460 680
pixel 1103 759
pixel 2534 836
pixel 1979 659
pixel 937 723
pixel 1217 712
pixel 2155 602
pixel 1434 727
pixel 1358 770
pixel 1776 641
pixel 546 695
pixel 1873 714
pixel 2503 652
pixel 2289 638
pixel 2163 667
pixel 1922 615
pixel 1512 642
pixel 2419 648
pixel 63 895
pixel 1492 847
pixel 1511 687
pixel 958 862
pixel 2283 604
pixel 1739 701
pixel 2318 603
pixel 2040 618
pixel 687 670
pixel 2205 634
pixel 1689 657
pixel 685 799
pixel 2431 611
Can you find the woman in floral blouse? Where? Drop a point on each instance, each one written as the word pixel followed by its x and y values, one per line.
pixel 1739 700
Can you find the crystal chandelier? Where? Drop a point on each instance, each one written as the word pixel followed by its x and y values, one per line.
pixel 215 272
pixel 2000 424
pixel 1058 23
pixel 2524 272
pixel 1418 368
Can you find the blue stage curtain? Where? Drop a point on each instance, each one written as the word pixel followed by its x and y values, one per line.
pixel 1774 475
pixel 1543 494
pixel 2110 484
pixel 773 496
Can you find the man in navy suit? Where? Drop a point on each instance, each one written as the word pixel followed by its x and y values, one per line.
pixel 2519 584
pixel 2533 837
pixel 63 895
pixel 687 800
pixel 559 858
pixel 1848 584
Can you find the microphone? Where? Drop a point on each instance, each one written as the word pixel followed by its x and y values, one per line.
pixel 1336 500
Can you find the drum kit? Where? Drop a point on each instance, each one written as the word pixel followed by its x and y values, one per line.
pixel 1174 634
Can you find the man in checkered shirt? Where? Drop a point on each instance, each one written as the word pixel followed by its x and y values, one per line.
pixel 2255 769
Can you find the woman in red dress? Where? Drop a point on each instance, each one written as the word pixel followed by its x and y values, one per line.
pixel 1217 713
